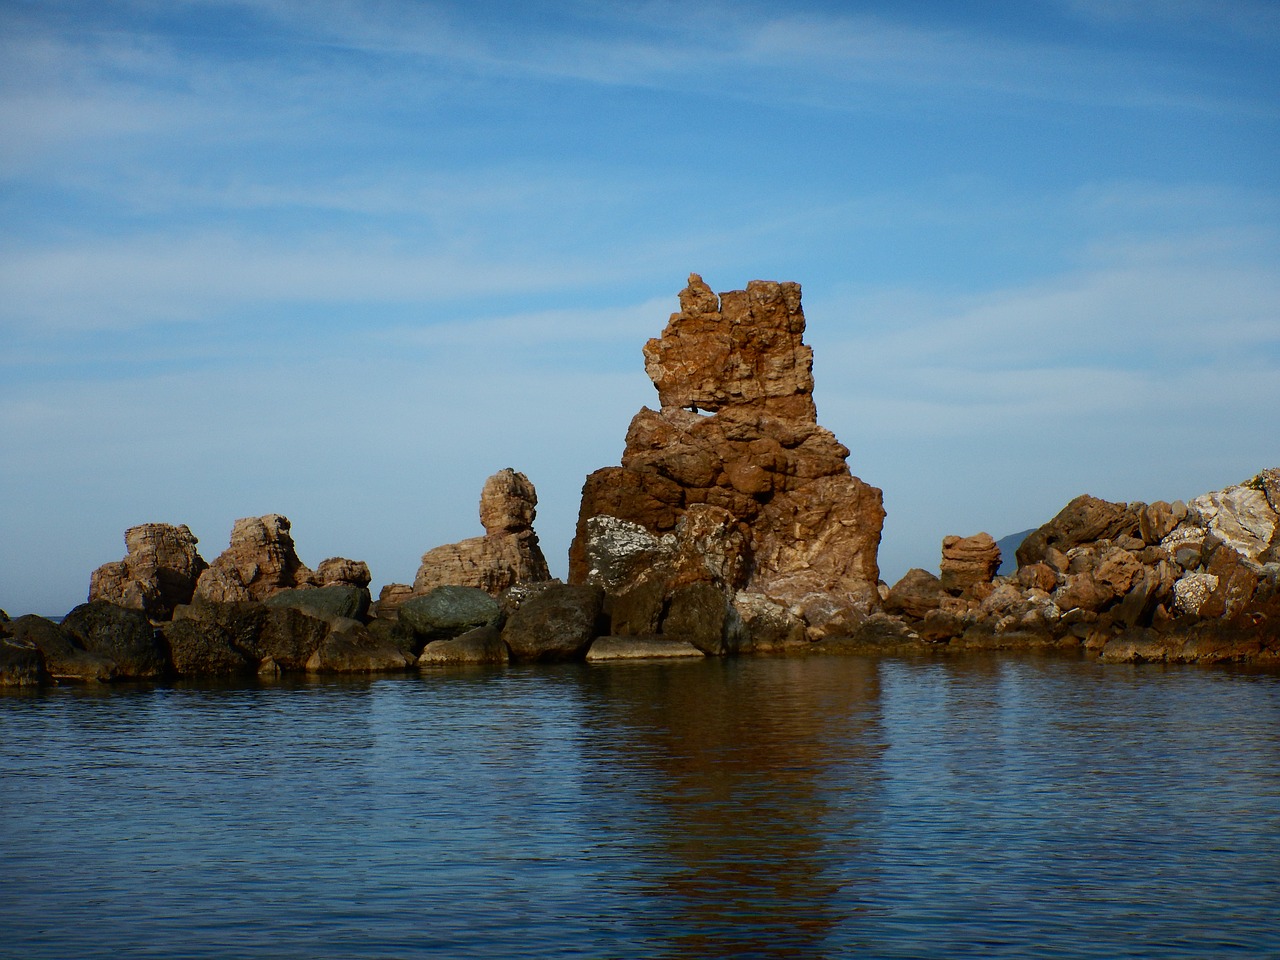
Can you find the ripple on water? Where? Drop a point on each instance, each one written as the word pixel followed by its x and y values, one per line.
pixel 774 808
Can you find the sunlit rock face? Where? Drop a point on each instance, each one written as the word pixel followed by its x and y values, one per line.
pixel 736 441
pixel 260 560
pixel 507 554
pixel 158 573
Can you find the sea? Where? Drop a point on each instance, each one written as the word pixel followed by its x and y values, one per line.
pixel 982 805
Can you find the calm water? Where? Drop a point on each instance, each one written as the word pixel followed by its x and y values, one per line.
pixel 839 807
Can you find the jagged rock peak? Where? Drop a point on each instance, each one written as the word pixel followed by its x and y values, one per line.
pixel 743 348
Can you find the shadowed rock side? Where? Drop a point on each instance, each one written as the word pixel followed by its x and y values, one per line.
pixel 1125 581
pixel 754 498
pixel 159 571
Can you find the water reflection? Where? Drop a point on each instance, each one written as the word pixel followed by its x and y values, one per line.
pixel 753 777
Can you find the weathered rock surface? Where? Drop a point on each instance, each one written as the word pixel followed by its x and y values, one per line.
pixel 205 649
pixel 755 497
pixel 449 611
pixel 507 554
pixel 339 600
pixel 557 623
pixel 123 635
pixel 349 647
pixel 159 571
pixel 1127 582
pixel 259 561
pixel 483 645
pixel 641 648
pixel 20 663
pixel 968 562
pixel 64 659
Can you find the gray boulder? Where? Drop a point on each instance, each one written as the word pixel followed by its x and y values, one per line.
pixel 699 614
pixel 449 611
pixel 558 623
pixel 205 648
pixel 290 638
pixel 336 601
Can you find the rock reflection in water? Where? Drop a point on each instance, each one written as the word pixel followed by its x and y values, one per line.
pixel 749 848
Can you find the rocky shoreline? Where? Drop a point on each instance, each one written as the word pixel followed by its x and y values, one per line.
pixel 732 526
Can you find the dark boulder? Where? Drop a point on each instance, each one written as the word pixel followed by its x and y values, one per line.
pixel 205 648
pixel 242 620
pixel 481 645
pixel 126 636
pixel 699 614
pixel 558 623
pixel 337 601
pixel 20 663
pixel 449 611
pixel 350 648
pixel 64 659
pixel 290 638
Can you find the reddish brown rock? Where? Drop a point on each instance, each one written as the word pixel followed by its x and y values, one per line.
pixel 158 573
pixel 507 554
pixel 339 571
pixel 916 595
pixel 259 561
pixel 807 526
pixel 1084 520
pixel 968 562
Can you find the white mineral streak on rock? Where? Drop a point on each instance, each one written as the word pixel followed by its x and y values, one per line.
pixel 1240 516
pixel 1190 592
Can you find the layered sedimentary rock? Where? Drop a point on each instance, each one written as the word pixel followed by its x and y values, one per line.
pixel 259 561
pixel 735 465
pixel 968 563
pixel 507 554
pixel 159 571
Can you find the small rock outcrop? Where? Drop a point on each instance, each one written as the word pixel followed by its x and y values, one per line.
pixel 731 482
pixel 159 571
pixel 259 561
pixel 506 555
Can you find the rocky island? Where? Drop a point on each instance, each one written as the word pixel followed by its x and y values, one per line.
pixel 732 526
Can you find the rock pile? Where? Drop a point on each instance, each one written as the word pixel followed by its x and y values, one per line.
pixel 733 520
pixel 1127 581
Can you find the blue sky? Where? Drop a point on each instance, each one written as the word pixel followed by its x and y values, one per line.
pixel 343 260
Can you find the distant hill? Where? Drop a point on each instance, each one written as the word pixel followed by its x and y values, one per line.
pixel 1008 547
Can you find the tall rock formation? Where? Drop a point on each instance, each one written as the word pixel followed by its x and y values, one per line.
pixel 259 561
pixel 733 466
pixel 507 554
pixel 158 573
